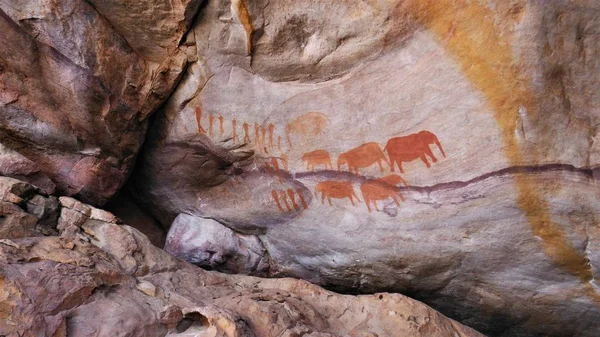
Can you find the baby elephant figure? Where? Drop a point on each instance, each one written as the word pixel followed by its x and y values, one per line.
pixel 336 190
pixel 362 156
pixel 317 157
pixel 411 147
pixel 374 190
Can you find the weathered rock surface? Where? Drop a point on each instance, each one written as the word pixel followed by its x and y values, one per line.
pixel 26 210
pixel 77 85
pixel 99 278
pixel 268 151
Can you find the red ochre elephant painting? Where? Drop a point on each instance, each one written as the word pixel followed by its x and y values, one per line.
pixel 411 147
pixel 315 158
pixel 362 156
pixel 377 189
pixel 309 124
pixel 336 190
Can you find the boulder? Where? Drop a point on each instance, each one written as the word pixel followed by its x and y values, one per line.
pixel 101 278
pixel 26 210
pixel 77 86
pixel 443 149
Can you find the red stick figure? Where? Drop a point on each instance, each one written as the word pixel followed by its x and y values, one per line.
pixel 284 197
pixel 269 169
pixel 276 198
pixel 199 119
pixel 284 160
pixel 221 129
pixel 293 199
pixel 271 129
pixel 211 121
pixel 276 166
pixel 301 196
pixel 257 135
pixel 246 133
pixel 234 132
pixel 263 141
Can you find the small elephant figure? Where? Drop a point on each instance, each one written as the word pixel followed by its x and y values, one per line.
pixel 336 190
pixel 317 157
pixel 362 156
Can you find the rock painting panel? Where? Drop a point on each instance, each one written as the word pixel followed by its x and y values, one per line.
pixel 272 156
pixel 198 112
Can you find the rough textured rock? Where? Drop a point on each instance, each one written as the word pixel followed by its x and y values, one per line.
pixel 100 278
pixel 287 105
pixel 77 86
pixel 26 210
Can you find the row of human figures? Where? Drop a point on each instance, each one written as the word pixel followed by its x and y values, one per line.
pixel 399 150
pixel 264 138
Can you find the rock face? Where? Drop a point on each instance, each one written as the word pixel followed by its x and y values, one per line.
pixel 77 85
pixel 442 149
pixel 26 210
pixel 100 278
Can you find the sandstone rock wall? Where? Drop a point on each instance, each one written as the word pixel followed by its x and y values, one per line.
pixel 481 117
pixel 443 149
pixel 102 278
pixel 78 85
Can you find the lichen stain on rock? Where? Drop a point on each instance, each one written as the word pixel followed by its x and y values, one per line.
pixel 486 58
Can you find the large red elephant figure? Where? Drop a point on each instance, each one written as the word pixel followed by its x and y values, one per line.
pixel 411 147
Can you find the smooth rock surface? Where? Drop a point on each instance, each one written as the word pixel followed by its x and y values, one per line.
pixel 99 278
pixel 77 86
pixel 488 110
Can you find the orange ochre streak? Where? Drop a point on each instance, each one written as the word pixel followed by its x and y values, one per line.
pixel 486 59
